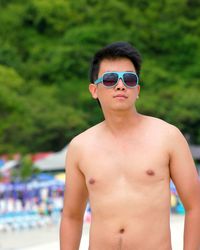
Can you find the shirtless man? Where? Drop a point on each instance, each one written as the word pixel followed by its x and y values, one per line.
pixel 123 166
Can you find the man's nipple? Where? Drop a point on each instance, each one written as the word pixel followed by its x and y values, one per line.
pixel 150 172
pixel 91 181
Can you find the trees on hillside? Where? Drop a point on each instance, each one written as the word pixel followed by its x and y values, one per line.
pixel 45 51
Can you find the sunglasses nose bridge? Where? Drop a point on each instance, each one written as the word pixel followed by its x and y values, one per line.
pixel 120 82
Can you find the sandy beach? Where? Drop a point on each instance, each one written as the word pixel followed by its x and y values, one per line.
pixel 47 238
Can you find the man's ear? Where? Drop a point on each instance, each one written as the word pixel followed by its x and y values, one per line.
pixel 138 89
pixel 93 90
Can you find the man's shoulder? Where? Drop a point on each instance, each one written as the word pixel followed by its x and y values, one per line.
pixel 162 125
pixel 158 121
pixel 86 135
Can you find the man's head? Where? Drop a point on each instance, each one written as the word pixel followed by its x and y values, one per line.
pixel 114 76
pixel 114 51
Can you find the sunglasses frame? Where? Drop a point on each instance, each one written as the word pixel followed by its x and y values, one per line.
pixel 120 76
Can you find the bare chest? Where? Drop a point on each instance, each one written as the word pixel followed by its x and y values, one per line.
pixel 120 165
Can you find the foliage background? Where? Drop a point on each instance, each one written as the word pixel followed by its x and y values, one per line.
pixel 45 51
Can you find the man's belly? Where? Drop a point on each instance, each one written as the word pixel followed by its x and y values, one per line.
pixel 128 220
pixel 152 232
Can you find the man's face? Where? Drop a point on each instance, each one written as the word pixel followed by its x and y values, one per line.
pixel 118 97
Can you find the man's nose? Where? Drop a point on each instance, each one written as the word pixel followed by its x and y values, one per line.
pixel 120 85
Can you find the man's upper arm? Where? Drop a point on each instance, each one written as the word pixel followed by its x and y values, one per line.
pixel 183 171
pixel 76 194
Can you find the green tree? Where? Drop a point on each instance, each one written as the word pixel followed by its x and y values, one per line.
pixel 26 169
pixel 45 51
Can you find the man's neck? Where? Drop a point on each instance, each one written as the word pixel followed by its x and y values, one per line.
pixel 121 122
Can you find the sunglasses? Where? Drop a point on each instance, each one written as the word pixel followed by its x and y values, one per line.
pixel 110 79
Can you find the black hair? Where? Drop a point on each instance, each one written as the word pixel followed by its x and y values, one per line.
pixel 113 51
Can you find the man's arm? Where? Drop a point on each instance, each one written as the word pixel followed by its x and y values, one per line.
pixel 75 199
pixel 184 175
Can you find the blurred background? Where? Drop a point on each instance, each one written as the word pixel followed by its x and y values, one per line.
pixel 45 51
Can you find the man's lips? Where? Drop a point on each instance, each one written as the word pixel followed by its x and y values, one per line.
pixel 120 96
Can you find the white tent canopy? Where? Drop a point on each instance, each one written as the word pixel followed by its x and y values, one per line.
pixel 53 162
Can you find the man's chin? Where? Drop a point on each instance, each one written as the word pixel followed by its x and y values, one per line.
pixel 121 108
